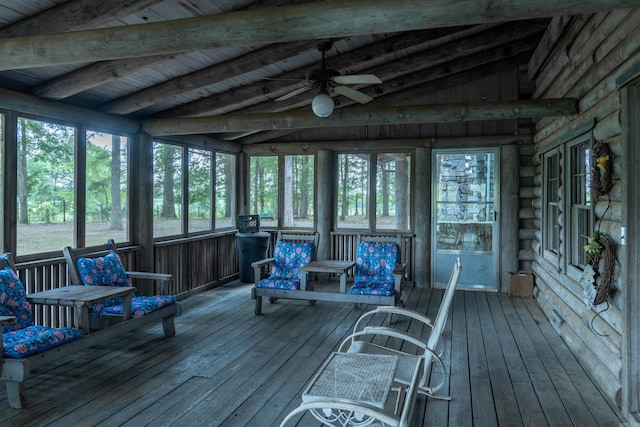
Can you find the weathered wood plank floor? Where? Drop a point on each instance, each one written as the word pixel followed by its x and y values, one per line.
pixel 227 367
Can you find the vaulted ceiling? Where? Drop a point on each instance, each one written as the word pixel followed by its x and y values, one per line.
pixel 159 60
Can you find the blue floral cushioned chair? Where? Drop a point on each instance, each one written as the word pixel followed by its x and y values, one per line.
pixel 291 252
pixel 23 338
pixel 378 269
pixel 109 271
pixel 103 267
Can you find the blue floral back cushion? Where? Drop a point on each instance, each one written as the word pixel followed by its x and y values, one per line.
pixel 104 271
pixel 375 262
pixel 23 338
pixel 13 301
pixel 288 258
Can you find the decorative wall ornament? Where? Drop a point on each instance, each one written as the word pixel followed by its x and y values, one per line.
pixel 602 168
pixel 597 283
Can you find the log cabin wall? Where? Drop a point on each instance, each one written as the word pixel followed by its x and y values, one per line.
pixel 586 57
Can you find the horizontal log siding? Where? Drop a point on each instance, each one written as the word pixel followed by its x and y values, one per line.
pixel 527 197
pixel 585 63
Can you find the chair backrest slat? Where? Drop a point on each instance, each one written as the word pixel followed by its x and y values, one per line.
pixel 443 311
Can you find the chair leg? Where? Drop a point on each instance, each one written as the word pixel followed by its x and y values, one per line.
pixel 16 395
pixel 258 309
pixel 168 326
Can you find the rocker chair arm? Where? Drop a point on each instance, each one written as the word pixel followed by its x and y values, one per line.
pixel 401 311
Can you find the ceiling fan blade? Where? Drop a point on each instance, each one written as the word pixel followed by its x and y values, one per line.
pixel 292 94
pixel 356 95
pixel 357 79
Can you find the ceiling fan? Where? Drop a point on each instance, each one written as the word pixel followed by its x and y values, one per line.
pixel 326 80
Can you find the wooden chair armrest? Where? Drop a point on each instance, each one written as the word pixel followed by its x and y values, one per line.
pixel 261 262
pixel 151 276
pixel 259 268
pixel 7 320
pixel 399 269
pixel 161 278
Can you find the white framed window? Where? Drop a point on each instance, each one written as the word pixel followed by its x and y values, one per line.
pixel 581 204
pixel 167 189
pixel 374 191
pixel 282 191
pixel 551 228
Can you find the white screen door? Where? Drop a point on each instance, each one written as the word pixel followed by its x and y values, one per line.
pixel 464 217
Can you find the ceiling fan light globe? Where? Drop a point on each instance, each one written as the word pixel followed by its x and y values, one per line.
pixel 322 105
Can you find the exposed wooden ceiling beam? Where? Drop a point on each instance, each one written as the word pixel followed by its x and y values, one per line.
pixel 426 52
pixel 354 61
pixel 402 91
pixel 204 77
pixel 75 15
pixel 362 116
pixel 93 75
pixel 339 18
pixel 101 72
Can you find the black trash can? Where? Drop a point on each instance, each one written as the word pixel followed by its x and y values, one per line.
pixel 251 247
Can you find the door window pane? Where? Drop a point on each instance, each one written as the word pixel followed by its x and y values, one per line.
pixel 353 191
pixel 464 202
pixel 392 196
pixel 298 191
pixel 45 186
pixel 167 189
pixel 225 190
pixel 106 188
pixel 263 196
pixel 199 190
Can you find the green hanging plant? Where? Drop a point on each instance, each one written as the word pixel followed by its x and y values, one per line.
pixel 593 246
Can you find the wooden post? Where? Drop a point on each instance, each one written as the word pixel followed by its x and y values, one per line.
pixel 141 196
pixel 324 202
pixel 9 214
pixel 630 271
pixel 509 218
pixel 422 218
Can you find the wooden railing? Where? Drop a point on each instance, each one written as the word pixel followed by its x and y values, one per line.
pixel 196 263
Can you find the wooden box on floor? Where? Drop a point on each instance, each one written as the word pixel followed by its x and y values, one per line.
pixel 521 284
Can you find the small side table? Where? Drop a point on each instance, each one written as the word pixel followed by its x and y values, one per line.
pixel 332 267
pixel 82 297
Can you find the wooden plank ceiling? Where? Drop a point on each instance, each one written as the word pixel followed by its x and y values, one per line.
pixel 167 59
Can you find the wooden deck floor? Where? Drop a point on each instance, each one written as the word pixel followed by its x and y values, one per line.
pixel 227 367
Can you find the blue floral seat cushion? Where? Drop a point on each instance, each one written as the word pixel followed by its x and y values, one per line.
pixel 23 338
pixel 36 339
pixel 140 305
pixel 288 258
pixel 375 262
pixel 109 271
